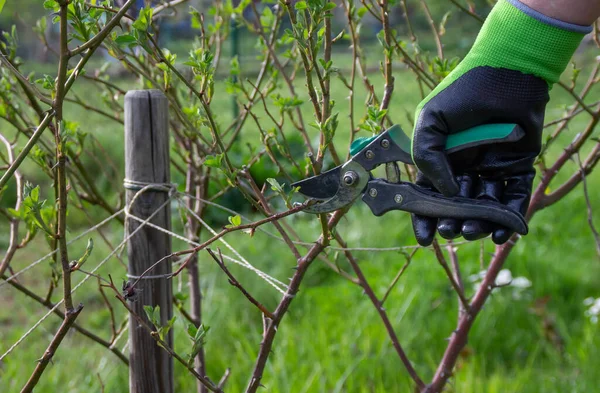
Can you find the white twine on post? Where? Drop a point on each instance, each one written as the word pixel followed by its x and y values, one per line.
pixel 140 188
pixel 170 188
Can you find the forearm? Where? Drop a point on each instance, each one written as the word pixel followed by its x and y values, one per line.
pixel 579 12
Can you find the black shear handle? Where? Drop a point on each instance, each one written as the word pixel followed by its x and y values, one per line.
pixel 382 196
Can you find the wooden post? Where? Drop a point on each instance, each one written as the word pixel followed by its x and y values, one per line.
pixel 147 161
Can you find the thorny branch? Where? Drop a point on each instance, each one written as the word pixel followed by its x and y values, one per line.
pixel 362 280
pixel 70 317
pixel 233 281
pixel 194 146
pixel 205 381
pixel 590 215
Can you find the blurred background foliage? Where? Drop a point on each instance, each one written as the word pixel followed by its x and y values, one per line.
pixel 537 338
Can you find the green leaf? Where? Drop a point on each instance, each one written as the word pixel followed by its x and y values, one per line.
pixel 34 194
pixel 156 316
pixel 171 322
pixel 192 330
pixel 85 256
pixel 125 40
pixel 48 4
pixel 362 11
pixel 144 19
pixel 14 213
pixel 329 6
pixel 196 21
pixel 235 221
pixel 275 186
pixel 2 5
pixel 301 5
pixel 442 28
pixel 149 310
pixel 181 296
pixel 201 333
pixel 267 18
pixel 214 161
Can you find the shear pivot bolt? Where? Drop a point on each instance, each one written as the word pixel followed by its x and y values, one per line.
pixel 398 198
pixel 350 178
pixel 370 155
pixel 372 192
pixel 385 143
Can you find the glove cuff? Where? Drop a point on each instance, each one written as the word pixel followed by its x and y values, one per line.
pixel 517 37
pixel 551 21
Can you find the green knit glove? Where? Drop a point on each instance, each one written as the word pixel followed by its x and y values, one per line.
pixel 505 78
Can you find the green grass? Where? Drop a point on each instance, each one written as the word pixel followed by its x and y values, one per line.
pixel 332 339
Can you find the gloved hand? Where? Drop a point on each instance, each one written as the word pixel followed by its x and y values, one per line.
pixel 505 78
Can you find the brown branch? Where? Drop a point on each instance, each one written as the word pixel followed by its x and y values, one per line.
pixel 267 209
pixel 307 66
pixel 382 314
pixel 14 222
pixel 459 337
pixel 409 258
pixel 468 11
pixel 456 273
pixel 434 30
pixel 70 317
pixel 104 82
pixel 579 100
pixel 252 225
pixel 27 148
pixel 85 106
pixel 271 325
pixel 590 215
pixel 224 379
pixel 417 64
pixel 192 233
pixel 233 281
pixel 61 158
pixel 576 109
pixel 203 101
pixel 569 116
pixel 550 174
pixel 455 284
pixel 165 6
pixel 164 345
pixel 96 40
pixel 179 306
pixel 355 59
pixel 589 164
pixel 281 68
pixel 111 311
pixel 389 77
pixel 49 305
pixel 25 83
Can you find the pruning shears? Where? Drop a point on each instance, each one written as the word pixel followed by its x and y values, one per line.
pixel 341 186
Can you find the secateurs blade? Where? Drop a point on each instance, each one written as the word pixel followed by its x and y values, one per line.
pixel 342 185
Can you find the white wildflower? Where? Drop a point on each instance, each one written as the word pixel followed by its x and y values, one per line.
pixel 593 311
pixel 520 282
pixel 504 277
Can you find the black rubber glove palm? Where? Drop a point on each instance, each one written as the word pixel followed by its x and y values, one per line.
pixel 501 172
pixel 505 78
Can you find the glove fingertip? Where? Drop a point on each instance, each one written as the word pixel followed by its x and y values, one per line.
pixel 449 228
pixel 501 235
pixel 424 229
pixel 475 230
